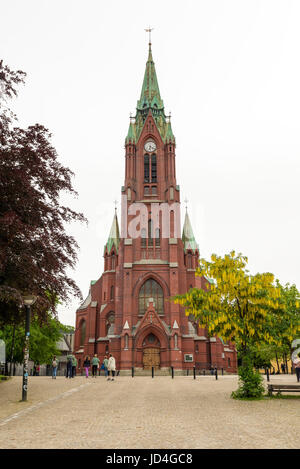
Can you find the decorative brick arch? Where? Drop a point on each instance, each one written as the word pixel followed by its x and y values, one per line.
pixel 137 286
pixel 155 330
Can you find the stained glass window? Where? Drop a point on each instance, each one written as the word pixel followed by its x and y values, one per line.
pixel 151 289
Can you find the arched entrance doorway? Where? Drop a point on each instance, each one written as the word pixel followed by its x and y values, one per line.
pixel 151 352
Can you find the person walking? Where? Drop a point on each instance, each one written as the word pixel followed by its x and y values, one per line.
pixel 95 363
pixel 104 364
pixel 54 367
pixel 74 365
pixel 297 369
pixel 86 365
pixel 111 367
pixel 69 366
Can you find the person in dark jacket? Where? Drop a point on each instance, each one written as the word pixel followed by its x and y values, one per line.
pixel 86 365
pixel 69 366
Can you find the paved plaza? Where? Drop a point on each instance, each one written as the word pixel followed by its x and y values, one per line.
pixel 142 412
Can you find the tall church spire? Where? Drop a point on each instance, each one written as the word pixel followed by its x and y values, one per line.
pixel 150 101
pixel 150 95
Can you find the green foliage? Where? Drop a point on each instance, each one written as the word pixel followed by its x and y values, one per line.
pixel 252 311
pixel 250 382
pixel 43 339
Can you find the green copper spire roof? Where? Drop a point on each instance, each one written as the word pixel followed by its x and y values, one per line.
pixel 114 236
pixel 150 101
pixel 150 95
pixel 188 238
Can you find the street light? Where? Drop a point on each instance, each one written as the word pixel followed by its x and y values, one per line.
pixel 28 301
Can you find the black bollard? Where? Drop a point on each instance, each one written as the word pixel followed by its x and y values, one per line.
pixel 152 371
pixel 203 372
pixel 194 372
pixel 222 372
pixel 216 373
pixel 172 371
pixel 268 377
pixel 132 372
pixel 187 372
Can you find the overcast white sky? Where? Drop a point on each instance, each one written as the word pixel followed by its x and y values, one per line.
pixel 229 72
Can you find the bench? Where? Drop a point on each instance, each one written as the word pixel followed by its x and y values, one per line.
pixel 283 387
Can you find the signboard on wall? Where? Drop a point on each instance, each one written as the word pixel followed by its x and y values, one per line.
pixel 188 357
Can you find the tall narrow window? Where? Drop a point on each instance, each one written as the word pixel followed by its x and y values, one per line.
pixel 150 235
pixel 175 341
pixel 110 323
pixel 82 332
pixel 112 292
pixel 146 168
pixel 143 235
pixel 153 168
pixel 126 342
pixel 157 237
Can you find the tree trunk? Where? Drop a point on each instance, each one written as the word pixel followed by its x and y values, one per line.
pixel 278 367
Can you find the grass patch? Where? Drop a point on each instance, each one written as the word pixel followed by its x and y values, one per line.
pixel 4 378
pixel 266 397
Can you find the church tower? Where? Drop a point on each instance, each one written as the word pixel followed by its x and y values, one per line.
pixel 128 311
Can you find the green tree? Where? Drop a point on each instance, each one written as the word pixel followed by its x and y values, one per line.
pixel 35 249
pixel 43 340
pixel 239 307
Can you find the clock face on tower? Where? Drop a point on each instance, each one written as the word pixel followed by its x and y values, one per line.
pixel 150 146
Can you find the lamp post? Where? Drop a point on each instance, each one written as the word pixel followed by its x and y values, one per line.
pixel 28 301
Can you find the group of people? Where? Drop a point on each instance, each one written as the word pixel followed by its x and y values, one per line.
pixel 108 365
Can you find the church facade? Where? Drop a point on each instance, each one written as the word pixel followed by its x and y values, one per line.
pixel 128 311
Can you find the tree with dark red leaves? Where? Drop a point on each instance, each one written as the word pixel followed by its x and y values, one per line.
pixel 35 250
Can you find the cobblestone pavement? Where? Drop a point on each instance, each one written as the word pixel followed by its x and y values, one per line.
pixel 142 412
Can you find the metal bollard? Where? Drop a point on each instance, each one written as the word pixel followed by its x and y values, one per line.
pixel 152 371
pixel 187 372
pixel 203 372
pixel 268 377
pixel 216 373
pixel 132 372
pixel 172 371
pixel 194 372
pixel 222 372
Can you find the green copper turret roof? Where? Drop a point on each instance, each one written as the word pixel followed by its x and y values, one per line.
pixel 188 238
pixel 114 236
pixel 150 101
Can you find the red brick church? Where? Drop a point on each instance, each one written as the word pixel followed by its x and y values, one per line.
pixel 128 311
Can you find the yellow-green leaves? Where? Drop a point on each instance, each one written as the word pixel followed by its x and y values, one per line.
pixel 236 305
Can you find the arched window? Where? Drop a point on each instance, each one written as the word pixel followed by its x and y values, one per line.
pixel 110 323
pixel 151 289
pixel 82 332
pixel 146 168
